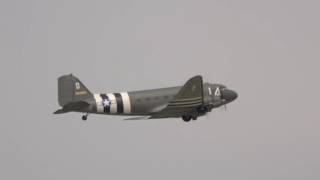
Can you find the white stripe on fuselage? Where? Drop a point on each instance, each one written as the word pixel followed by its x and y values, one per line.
pixel 99 105
pixel 113 107
pixel 126 103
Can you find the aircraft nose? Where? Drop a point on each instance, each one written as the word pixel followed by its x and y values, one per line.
pixel 229 95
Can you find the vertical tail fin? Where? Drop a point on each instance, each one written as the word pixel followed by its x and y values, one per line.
pixel 71 89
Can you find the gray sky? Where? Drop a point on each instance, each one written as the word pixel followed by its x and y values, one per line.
pixel 268 51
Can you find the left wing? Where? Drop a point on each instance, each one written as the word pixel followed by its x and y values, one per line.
pixel 189 98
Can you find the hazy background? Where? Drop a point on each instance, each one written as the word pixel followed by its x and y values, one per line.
pixel 268 51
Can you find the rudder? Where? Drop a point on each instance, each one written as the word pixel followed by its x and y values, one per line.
pixel 71 89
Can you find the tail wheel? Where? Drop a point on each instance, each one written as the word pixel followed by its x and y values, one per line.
pixel 85 117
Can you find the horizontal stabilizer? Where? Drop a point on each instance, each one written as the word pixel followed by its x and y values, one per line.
pixel 74 106
pixel 60 111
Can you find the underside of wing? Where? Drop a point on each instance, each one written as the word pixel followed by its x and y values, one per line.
pixel 138 118
pixel 189 98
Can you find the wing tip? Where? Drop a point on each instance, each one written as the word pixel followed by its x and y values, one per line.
pixel 196 78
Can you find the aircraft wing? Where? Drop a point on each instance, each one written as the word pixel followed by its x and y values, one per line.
pixel 138 118
pixel 189 98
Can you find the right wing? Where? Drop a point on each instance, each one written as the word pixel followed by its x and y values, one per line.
pixel 189 98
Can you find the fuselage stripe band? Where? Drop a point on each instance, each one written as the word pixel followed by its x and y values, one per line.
pixel 119 102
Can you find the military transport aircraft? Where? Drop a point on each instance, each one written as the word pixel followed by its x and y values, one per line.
pixel 189 101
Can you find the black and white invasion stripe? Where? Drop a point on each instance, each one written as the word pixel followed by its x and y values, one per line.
pixel 119 103
pixel 104 97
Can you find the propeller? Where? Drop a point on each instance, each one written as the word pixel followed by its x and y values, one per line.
pixel 218 96
pixel 224 107
pixel 208 116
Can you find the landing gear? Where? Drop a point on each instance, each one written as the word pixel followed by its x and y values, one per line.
pixel 186 118
pixel 194 117
pixel 85 117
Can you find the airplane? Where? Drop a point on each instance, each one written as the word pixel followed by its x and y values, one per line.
pixel 190 101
